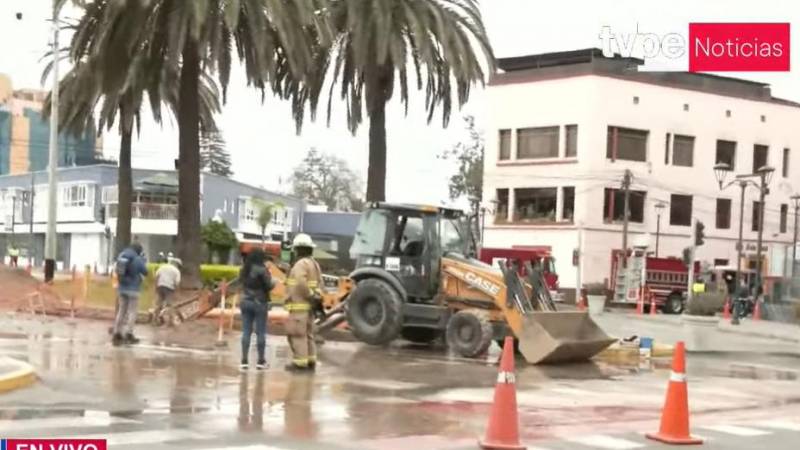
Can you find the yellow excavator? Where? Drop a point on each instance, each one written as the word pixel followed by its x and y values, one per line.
pixel 417 277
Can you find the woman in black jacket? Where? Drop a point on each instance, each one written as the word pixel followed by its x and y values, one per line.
pixel 256 283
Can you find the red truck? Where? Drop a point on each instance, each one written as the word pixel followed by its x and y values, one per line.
pixel 666 278
pixel 532 254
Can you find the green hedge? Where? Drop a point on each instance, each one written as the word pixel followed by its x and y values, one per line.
pixel 211 274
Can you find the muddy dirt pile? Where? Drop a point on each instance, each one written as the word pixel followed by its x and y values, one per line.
pixel 17 287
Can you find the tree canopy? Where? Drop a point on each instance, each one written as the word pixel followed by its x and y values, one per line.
pixel 323 178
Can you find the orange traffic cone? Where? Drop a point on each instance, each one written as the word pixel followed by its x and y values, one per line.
pixel 726 310
pixel 502 433
pixel 652 304
pixel 757 310
pixel 674 427
pixel 581 302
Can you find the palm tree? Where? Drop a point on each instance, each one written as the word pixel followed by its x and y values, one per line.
pixel 265 215
pixel 272 39
pixel 81 96
pixel 377 43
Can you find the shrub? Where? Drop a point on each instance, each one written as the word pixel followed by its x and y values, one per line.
pixel 705 304
pixel 211 274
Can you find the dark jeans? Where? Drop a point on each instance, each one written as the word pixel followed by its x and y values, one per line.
pixel 254 314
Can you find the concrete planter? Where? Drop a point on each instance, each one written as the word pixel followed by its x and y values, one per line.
pixel 698 330
pixel 596 304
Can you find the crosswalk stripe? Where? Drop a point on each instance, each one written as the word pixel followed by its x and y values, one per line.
pixel 7 426
pixel 736 430
pixel 145 437
pixel 780 425
pixel 602 441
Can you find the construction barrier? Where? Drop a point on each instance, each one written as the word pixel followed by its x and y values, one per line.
pixel 502 433
pixel 674 427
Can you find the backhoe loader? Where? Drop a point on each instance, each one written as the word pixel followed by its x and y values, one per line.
pixel 417 277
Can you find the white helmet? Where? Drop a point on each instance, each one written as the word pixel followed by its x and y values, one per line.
pixel 303 240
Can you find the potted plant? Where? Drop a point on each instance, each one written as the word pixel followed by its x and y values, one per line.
pixel 700 319
pixel 596 296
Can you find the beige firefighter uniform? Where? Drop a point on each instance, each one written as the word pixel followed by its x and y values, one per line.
pixel 304 282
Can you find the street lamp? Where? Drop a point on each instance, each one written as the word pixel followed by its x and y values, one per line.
pixel 764 173
pixel 796 199
pixel 659 209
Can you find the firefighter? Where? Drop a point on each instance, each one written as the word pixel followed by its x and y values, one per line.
pixel 304 282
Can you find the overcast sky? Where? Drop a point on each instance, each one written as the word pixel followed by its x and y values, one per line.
pixel 262 139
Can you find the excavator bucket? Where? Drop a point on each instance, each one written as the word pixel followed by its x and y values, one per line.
pixel 558 337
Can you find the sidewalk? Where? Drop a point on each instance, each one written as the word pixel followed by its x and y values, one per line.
pixel 15 374
pixel 762 328
pixel 756 337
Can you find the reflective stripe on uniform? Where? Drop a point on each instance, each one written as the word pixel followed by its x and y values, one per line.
pixel 299 307
pixel 291 282
pixel 301 362
pixel 678 377
pixel 312 284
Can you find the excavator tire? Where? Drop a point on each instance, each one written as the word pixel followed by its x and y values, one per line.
pixel 374 312
pixel 419 335
pixel 469 332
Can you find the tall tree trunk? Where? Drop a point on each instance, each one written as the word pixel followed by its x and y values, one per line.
pixel 124 191
pixel 189 238
pixel 376 172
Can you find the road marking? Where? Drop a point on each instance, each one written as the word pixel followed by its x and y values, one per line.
pixel 736 430
pixel 59 422
pixel 145 437
pixel 602 441
pixel 780 425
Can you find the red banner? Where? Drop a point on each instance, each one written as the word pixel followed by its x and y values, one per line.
pixel 739 47
pixel 55 444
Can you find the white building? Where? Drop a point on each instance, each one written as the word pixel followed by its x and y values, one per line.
pixel 564 127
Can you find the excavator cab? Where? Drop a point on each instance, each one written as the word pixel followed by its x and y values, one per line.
pixel 417 276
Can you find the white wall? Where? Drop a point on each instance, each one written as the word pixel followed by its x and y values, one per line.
pixel 594 103
pixel 87 249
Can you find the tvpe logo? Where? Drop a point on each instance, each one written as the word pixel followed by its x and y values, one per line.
pixel 54 444
pixel 706 47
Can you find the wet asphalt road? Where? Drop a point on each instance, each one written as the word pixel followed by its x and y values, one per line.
pixel 177 390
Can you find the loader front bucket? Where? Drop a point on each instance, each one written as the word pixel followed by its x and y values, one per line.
pixel 556 337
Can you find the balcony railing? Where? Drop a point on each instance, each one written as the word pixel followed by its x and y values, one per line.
pixel 147 211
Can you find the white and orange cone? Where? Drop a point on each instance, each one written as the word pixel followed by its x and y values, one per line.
pixel 502 433
pixel 674 427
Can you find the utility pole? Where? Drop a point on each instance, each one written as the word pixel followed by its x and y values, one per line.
pixel 31 246
pixel 763 190
pixel 626 190
pixel 50 242
pixel 796 199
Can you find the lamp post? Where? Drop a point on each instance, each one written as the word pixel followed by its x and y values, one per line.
pixel 659 209
pixel 796 199
pixel 764 174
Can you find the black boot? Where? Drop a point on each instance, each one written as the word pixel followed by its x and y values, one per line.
pixel 291 367
pixel 131 339
pixel 117 340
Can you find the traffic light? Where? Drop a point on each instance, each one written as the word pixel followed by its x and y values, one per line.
pixel 687 257
pixel 699 234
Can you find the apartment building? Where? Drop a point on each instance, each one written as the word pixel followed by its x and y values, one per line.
pixel 564 128
pixel 88 205
pixel 25 134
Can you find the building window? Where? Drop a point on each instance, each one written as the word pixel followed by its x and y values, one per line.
pixel 626 144
pixel 76 196
pixel 760 156
pixel 568 204
pixel 535 204
pixel 680 210
pixel 763 118
pixel 785 167
pixel 683 151
pixel 667 142
pixel 614 206
pixel 571 140
pixel 225 205
pixel 723 213
pixel 727 113
pixel 685 106
pixel 635 100
pixel 726 153
pixel 535 143
pixel 784 217
pixel 718 262
pixel 756 222
pixel 504 142
pixel 501 213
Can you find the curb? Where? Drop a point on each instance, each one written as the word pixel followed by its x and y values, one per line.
pixel 761 335
pixel 23 376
